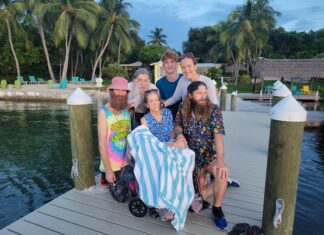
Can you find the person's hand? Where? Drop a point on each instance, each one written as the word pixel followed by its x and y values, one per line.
pixel 110 177
pixel 181 143
pixel 181 137
pixel 221 168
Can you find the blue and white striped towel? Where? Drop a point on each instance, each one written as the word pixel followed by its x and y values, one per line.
pixel 164 174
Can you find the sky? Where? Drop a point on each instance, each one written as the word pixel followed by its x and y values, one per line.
pixel 176 17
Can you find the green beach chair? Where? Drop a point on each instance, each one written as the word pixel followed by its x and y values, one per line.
pixel 3 84
pixel 295 90
pixel 17 84
pixel 21 80
pixel 51 84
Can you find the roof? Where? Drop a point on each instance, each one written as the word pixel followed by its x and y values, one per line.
pixel 201 65
pixel 290 68
pixel 135 64
pixel 231 68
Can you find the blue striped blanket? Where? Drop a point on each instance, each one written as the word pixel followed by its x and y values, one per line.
pixel 164 174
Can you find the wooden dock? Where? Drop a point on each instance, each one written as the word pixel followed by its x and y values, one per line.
pixel 77 212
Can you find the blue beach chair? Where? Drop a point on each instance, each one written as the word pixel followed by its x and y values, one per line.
pixel 75 80
pixel 21 80
pixel 32 80
pixel 63 84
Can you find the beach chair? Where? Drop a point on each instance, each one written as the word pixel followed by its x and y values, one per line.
pixel 306 90
pixel 75 80
pixel 21 80
pixel 17 84
pixel 41 80
pixel 295 90
pixel 32 80
pixel 83 81
pixel 93 80
pixel 63 84
pixel 50 84
pixel 268 89
pixel 3 84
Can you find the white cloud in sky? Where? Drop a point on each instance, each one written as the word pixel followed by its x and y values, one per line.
pixel 177 16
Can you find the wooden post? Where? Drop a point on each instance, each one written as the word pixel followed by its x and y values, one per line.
pixel 81 139
pixel 233 100
pixel 279 94
pixel 223 98
pixel 286 133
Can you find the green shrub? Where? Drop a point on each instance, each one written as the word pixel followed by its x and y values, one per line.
pixel 245 79
pixel 113 70
pixel 213 73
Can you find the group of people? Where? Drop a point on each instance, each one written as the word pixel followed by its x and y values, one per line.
pixel 181 112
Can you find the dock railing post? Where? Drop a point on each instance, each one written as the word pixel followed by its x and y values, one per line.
pixel 286 133
pixel 223 98
pixel 81 139
pixel 280 93
pixel 233 100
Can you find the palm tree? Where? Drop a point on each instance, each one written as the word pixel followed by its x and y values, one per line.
pixel 76 18
pixel 117 21
pixel 8 17
pixel 232 42
pixel 37 9
pixel 252 24
pixel 157 37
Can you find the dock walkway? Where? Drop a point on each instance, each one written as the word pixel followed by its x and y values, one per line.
pixel 78 212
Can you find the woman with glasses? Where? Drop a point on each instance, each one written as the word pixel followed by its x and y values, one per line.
pixel 188 65
pixel 140 84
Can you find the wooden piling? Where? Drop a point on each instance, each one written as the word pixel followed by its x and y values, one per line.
pixel 286 133
pixel 81 139
pixel 223 98
pixel 233 101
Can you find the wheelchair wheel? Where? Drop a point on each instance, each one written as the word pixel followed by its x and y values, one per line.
pixel 137 207
pixel 153 213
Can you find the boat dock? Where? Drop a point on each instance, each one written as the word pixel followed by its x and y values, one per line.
pixel 79 212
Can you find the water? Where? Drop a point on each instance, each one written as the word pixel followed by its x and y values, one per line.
pixel 35 156
pixel 35 162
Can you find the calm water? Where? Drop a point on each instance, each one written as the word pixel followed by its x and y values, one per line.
pixel 35 162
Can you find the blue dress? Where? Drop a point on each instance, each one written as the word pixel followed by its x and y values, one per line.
pixel 161 130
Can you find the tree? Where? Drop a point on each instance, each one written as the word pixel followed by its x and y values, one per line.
pixel 116 19
pixel 199 45
pixel 151 53
pixel 252 24
pixel 36 7
pixel 8 13
pixel 76 18
pixel 157 37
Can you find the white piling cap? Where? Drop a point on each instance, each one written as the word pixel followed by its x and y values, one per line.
pixel 234 93
pixel 277 84
pixel 288 110
pixel 223 87
pixel 79 97
pixel 282 91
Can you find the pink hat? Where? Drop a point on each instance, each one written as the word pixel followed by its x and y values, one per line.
pixel 119 83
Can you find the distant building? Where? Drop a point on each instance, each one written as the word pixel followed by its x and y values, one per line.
pixel 202 69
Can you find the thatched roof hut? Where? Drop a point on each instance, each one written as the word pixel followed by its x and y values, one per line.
pixel 290 68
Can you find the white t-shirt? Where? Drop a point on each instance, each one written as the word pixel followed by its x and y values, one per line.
pixel 181 90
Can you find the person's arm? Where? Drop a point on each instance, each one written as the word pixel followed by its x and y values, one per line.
pixel 102 135
pixel 176 95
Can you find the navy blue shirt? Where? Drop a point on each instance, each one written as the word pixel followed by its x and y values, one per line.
pixel 167 89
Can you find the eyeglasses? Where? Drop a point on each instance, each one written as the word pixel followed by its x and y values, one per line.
pixel 151 90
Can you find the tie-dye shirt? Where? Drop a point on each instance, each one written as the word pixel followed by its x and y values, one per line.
pixel 118 127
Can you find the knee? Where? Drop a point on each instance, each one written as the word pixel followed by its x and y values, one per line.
pixel 217 174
